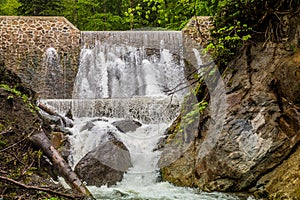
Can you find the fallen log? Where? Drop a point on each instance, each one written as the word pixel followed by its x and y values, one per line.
pixel 53 113
pixel 63 168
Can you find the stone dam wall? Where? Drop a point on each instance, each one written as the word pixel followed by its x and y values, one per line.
pixel 43 51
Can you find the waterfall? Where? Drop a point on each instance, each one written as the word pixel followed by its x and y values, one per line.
pixel 127 64
pixel 127 75
pixel 147 110
pixel 52 73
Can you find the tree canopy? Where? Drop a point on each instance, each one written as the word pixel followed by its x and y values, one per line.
pixel 234 21
pixel 40 7
pixel 113 14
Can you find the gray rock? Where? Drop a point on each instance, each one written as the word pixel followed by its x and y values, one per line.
pixel 105 165
pixel 88 126
pixel 127 125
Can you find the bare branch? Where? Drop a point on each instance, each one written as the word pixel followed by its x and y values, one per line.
pixel 11 181
pixel 10 130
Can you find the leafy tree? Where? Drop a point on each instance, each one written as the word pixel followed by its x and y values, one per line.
pixel 71 11
pixel 100 15
pixel 167 13
pixel 9 7
pixel 238 21
pixel 40 7
pixel 179 13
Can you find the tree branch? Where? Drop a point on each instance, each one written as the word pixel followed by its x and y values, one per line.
pixel 11 181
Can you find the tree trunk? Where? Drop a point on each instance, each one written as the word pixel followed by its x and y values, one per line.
pixel 59 163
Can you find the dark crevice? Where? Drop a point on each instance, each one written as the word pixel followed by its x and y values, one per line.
pixel 274 86
pixel 249 61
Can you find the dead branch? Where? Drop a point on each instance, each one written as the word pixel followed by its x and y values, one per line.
pixel 51 112
pixel 205 74
pixel 16 143
pixel 182 83
pixel 10 130
pixel 11 181
pixel 46 109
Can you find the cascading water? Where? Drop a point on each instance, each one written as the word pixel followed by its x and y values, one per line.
pixel 112 68
pixel 127 75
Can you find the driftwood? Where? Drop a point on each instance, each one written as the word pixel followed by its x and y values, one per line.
pixel 63 168
pixel 29 187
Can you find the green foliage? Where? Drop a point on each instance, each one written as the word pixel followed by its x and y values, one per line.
pixel 168 14
pixel 196 110
pixel 237 21
pixel 180 12
pixel 103 21
pixel 114 14
pixel 9 7
pixel 97 15
pixel 19 94
pixel 227 40
pixel 15 92
pixel 40 7
pixel 3 142
pixel 230 31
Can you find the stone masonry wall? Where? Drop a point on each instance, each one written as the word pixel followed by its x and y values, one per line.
pixel 196 35
pixel 43 51
pixel 197 29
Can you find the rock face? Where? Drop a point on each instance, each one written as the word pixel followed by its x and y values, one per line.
pixel 126 125
pixel 261 127
pixel 105 165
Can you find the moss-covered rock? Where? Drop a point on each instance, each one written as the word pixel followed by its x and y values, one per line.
pixel 284 181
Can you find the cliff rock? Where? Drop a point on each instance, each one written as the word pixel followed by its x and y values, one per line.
pixel 261 126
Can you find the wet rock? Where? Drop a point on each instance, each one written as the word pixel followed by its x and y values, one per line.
pixel 64 130
pixel 105 165
pixel 61 142
pixel 103 119
pixel 88 126
pixel 54 118
pixel 69 114
pixel 127 125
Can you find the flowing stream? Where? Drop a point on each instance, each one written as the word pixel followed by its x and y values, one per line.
pixel 126 75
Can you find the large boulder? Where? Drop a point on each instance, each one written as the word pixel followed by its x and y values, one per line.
pixel 106 164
